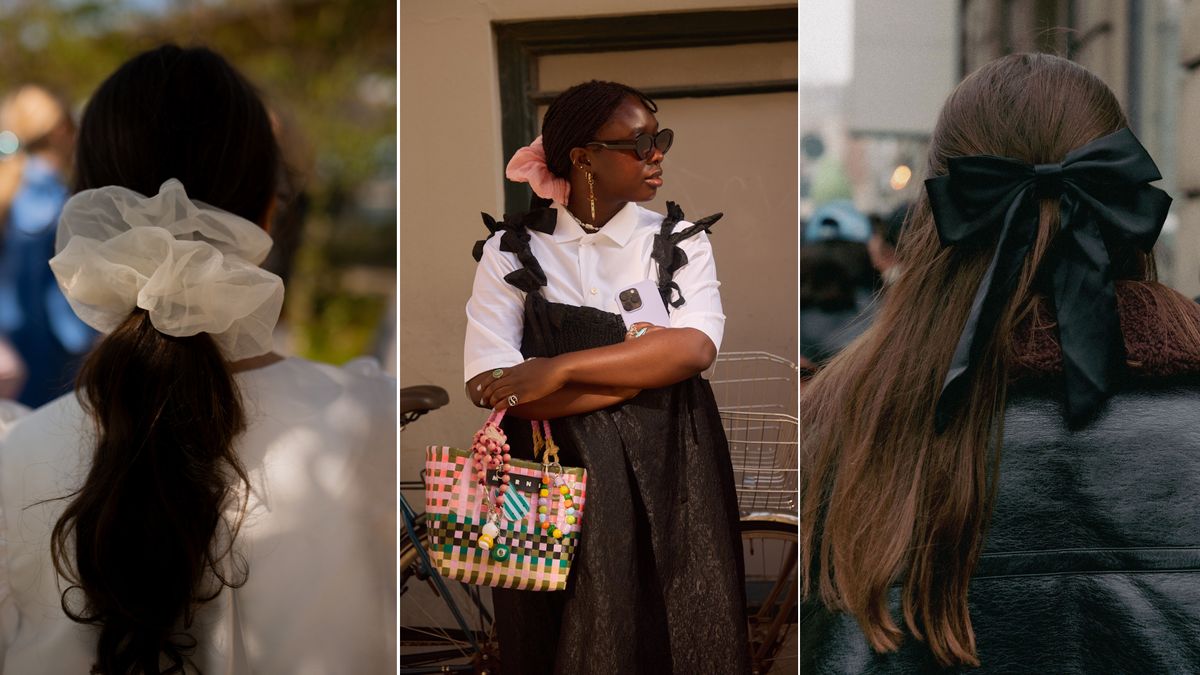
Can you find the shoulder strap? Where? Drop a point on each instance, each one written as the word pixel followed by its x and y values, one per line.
pixel 514 238
pixel 669 256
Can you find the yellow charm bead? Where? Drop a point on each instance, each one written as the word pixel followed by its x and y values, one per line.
pixel 557 533
pixel 570 520
pixel 542 509
pixel 564 489
pixel 544 492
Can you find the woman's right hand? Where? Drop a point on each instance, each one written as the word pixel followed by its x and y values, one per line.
pixel 640 329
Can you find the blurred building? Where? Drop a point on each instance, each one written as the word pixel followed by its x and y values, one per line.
pixel 476 77
pixel 1148 52
pixel 874 131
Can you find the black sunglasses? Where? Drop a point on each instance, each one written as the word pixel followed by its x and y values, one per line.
pixel 644 144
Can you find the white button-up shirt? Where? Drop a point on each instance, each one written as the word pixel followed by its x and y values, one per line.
pixel 587 270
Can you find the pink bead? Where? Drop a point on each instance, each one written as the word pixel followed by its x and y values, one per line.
pixel 507 457
pixel 506 478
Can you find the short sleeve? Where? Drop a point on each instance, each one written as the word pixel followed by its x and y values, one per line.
pixel 698 284
pixel 495 315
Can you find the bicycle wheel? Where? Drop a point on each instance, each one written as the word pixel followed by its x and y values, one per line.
pixel 445 626
pixel 770 545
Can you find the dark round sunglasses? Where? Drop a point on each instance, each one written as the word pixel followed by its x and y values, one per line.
pixel 644 144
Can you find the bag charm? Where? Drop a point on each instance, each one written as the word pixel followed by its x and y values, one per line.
pixel 556 486
pixel 490 451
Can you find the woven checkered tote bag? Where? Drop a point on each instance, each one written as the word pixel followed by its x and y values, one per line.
pixel 498 521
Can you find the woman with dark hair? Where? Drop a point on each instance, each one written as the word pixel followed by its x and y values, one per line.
pixel 656 585
pixel 202 504
pixel 1001 471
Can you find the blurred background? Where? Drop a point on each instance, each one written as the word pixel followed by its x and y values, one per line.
pixel 327 72
pixel 873 76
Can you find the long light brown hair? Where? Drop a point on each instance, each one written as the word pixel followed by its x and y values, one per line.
pixel 885 499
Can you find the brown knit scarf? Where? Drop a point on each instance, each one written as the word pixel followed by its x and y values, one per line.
pixel 1153 342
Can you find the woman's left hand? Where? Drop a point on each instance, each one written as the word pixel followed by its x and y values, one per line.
pixel 528 381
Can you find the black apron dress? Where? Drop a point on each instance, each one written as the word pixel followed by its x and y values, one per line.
pixel 657 582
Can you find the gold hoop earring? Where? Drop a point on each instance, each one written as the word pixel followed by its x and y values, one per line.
pixel 592 195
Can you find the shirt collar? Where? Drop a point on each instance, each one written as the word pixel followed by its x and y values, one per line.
pixel 618 229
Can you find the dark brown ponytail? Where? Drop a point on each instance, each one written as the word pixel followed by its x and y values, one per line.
pixel 149 535
pixel 145 539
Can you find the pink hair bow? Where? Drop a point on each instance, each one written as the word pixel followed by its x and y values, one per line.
pixel 528 165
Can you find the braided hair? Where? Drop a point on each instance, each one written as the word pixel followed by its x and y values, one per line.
pixel 574 117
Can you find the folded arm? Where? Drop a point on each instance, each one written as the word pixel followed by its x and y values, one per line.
pixel 658 358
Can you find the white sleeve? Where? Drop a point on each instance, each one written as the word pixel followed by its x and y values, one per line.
pixel 698 284
pixel 495 314
pixel 8 604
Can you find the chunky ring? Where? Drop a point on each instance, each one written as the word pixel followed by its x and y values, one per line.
pixel 512 400
pixel 497 373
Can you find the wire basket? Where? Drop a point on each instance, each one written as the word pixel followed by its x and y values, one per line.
pixel 754 382
pixel 763 449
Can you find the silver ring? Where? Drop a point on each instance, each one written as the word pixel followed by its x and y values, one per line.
pixel 512 400
pixel 497 373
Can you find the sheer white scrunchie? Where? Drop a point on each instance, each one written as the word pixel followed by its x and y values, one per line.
pixel 192 267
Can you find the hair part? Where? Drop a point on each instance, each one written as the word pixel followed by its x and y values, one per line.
pixel 885 499
pixel 146 539
pixel 575 116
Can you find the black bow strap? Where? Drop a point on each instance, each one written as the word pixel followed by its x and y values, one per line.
pixel 1105 196
pixel 515 239
pixel 666 252
pixel 541 219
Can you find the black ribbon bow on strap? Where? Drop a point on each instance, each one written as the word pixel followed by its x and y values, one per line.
pixel 515 239
pixel 1105 196
pixel 670 256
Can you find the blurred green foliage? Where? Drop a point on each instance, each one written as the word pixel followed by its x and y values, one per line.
pixel 327 69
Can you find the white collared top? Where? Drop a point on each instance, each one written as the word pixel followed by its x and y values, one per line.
pixel 588 270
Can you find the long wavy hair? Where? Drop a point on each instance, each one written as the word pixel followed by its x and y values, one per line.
pixel 885 499
pixel 148 537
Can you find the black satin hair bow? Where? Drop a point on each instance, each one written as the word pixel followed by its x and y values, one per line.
pixel 1104 193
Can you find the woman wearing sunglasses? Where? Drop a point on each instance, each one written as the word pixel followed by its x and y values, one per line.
pixel 655 586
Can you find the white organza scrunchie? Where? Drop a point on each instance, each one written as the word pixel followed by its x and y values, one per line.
pixel 192 267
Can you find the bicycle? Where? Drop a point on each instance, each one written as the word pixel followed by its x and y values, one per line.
pixel 756 399
pixel 469 646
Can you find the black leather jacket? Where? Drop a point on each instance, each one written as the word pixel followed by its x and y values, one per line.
pixel 1092 560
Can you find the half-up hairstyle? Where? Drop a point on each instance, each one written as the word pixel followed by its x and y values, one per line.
pixel 146 539
pixel 573 118
pixel 887 500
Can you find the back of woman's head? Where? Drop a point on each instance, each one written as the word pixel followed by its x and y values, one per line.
pixel 575 115
pixel 183 114
pixel 146 539
pixel 887 498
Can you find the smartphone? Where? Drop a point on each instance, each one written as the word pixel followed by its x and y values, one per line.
pixel 642 303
